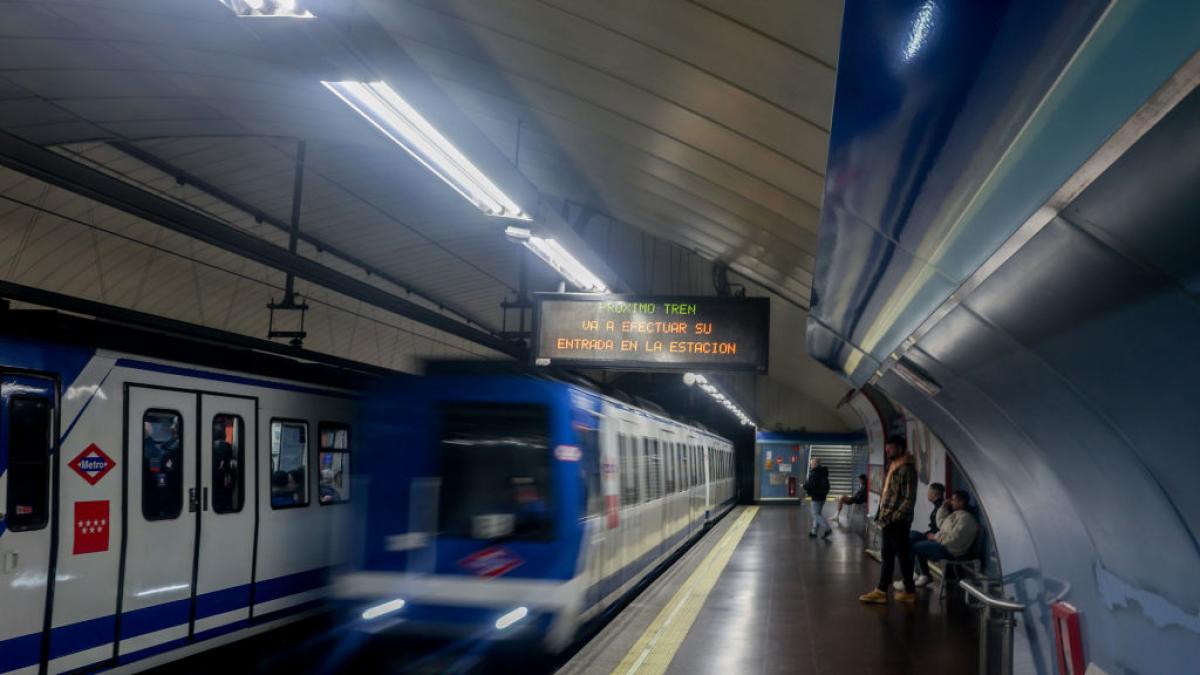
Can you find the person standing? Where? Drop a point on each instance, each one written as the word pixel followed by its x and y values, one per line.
pixel 894 518
pixel 817 487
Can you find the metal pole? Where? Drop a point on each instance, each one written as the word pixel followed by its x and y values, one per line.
pixel 984 623
pixel 1006 644
pixel 297 192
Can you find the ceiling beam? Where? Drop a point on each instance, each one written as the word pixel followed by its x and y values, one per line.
pixel 55 169
pixel 180 175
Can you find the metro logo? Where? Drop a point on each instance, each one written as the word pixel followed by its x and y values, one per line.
pixel 491 562
pixel 92 464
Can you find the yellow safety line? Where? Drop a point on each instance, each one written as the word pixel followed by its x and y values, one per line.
pixel 653 651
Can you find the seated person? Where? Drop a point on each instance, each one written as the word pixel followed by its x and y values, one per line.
pixel 936 495
pixel 859 497
pixel 957 529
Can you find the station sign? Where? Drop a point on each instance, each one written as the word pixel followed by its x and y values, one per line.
pixel 651 332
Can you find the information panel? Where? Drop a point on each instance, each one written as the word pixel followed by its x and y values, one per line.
pixel 658 332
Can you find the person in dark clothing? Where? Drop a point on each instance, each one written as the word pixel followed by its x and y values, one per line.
pixel 936 496
pixel 894 517
pixel 859 497
pixel 817 487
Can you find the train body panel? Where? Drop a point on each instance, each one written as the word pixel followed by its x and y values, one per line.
pixel 523 497
pixel 156 533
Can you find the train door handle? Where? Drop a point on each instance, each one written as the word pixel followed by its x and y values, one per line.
pixel 193 500
pixel 10 562
pixel 205 499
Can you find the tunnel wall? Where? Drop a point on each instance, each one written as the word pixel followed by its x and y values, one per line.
pixel 1068 395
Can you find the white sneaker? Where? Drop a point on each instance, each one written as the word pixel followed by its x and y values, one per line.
pixel 922 581
pixel 898 585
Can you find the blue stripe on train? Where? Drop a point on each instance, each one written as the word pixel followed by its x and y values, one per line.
pixel 25 650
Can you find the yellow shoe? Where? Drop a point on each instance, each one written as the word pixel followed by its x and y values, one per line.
pixel 875 597
pixel 910 598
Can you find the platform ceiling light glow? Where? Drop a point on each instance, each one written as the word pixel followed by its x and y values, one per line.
pixel 511 618
pixel 382 609
pixel 399 121
pixel 696 379
pixel 252 9
pixel 554 255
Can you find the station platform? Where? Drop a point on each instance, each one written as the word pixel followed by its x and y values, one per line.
pixel 757 595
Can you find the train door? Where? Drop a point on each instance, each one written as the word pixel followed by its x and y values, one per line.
pixel 161 516
pixel 224 560
pixel 28 413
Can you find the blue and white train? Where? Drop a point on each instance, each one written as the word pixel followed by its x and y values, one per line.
pixel 153 507
pixel 514 506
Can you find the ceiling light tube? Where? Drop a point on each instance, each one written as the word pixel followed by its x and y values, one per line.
pixel 272 9
pixel 554 255
pixel 388 112
pixel 717 395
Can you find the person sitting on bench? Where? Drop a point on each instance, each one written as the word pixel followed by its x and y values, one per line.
pixel 859 497
pixel 957 530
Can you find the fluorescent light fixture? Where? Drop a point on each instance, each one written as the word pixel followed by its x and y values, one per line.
pixel 252 9
pixel 385 608
pixel 692 379
pixel 554 255
pixel 916 379
pixel 399 121
pixel 511 618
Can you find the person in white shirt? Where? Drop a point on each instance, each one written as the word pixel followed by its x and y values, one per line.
pixel 957 529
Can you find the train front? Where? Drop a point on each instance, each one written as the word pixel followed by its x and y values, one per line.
pixel 471 499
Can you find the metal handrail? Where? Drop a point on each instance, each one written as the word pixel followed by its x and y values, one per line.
pixel 982 596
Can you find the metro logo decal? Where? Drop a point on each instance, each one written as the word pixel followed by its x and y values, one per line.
pixel 491 562
pixel 91 527
pixel 92 464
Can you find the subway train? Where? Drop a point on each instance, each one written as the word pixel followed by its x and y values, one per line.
pixel 162 498
pixel 517 507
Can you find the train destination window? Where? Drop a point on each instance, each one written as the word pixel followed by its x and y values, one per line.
pixel 162 464
pixel 228 460
pixel 28 463
pixel 495 472
pixel 289 464
pixel 333 463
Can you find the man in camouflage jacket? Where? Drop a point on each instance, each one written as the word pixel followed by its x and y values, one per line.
pixel 894 518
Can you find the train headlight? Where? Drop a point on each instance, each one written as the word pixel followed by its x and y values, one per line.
pixel 382 609
pixel 511 618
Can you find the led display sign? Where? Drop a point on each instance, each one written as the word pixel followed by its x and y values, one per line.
pixel 654 332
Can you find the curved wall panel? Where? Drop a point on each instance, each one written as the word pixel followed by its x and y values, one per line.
pixel 1068 393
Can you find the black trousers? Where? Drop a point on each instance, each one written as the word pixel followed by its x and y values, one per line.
pixel 896 545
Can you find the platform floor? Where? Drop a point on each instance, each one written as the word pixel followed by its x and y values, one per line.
pixel 778 602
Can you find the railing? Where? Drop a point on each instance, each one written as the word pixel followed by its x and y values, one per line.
pixel 993 609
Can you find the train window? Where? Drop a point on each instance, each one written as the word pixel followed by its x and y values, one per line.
pixel 228 460
pixel 589 445
pixel 653 472
pixel 668 453
pixel 162 465
pixel 289 464
pixel 495 472
pixel 628 476
pixel 28 463
pixel 333 463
